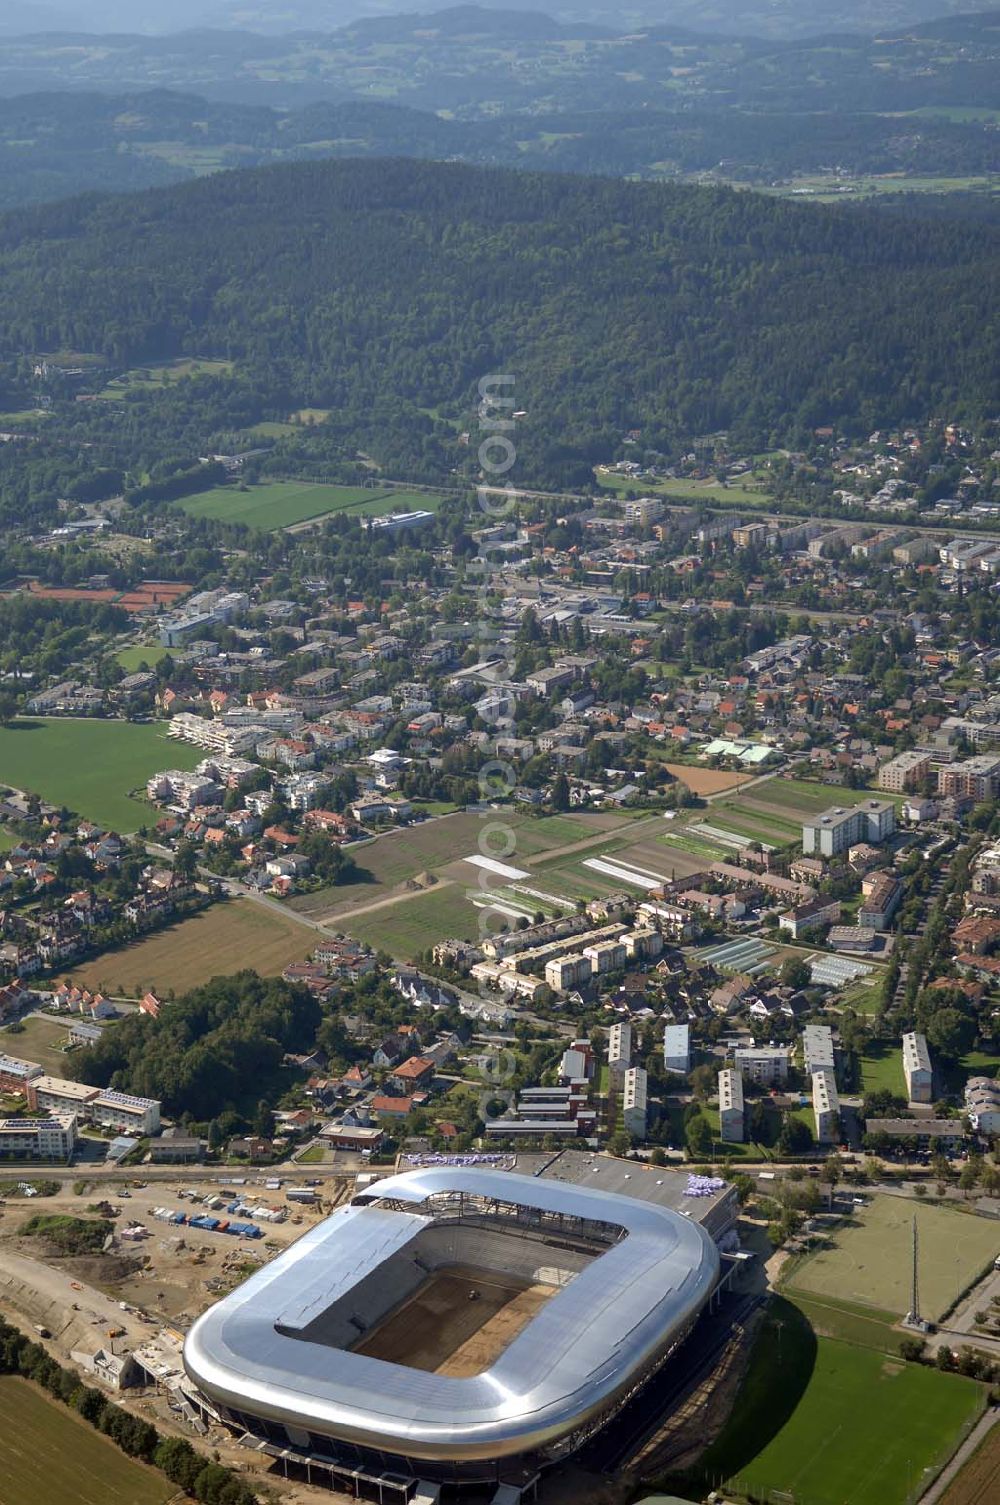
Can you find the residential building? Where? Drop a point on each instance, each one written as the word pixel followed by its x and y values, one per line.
pixel 982 1104
pixel 817 1048
pixel 905 772
pixel 619 1051
pixel 50 1094
pixel 124 1113
pixel 976 779
pixel 414 1075
pixel 177 1149
pixel 942 1134
pixel 565 972
pixel 767 1065
pixel 606 956
pixel 634 1102
pixel 677 1048
pixel 917 1068
pixel 826 1107
pixel 812 915
pixel 51 1137
pixel 835 830
pixel 643 512
pixel 15 1074
pixel 883 895
pixel 732 1118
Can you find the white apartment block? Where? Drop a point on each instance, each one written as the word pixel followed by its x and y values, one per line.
pixel 644 944
pixel 108 1110
pixel 917 1068
pixel 619 1051
pixel 817 1048
pixel 124 1113
pixel 976 778
pixel 49 1138
pixel 643 511
pixel 634 1102
pixel 51 1094
pixel 826 1106
pixel 732 1118
pixel 837 829
pixel 765 1064
pixel 677 1048
pixel 213 737
pixel 188 790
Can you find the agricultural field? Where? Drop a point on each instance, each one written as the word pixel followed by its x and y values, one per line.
pixel 283 504
pixel 163 374
pixel 408 925
pixel 772 811
pixel 47 1452
pixel 97 768
pixel 40 1040
pixel 870 1260
pixel 438 847
pixel 978 1482
pixel 705 781
pixel 824 1422
pixel 229 936
pixel 796 798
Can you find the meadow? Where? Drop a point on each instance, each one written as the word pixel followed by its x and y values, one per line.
pixel 137 654
pixel 218 941
pixel 163 374
pixel 91 766
pixel 39 1040
pixel 49 1453
pixel 882 1069
pixel 869 1262
pixel 683 490
pixel 823 1422
pixel 283 504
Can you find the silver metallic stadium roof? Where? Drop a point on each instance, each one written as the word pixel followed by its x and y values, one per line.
pixel 588 1344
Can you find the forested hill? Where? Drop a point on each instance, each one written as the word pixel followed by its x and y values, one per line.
pixel 383 289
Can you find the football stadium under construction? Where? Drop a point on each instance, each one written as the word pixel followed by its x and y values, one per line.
pixel 458 1327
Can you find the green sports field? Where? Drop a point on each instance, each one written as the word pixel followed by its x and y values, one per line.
pixel 869 1262
pixel 282 504
pixel 822 1422
pixel 91 766
pixel 48 1453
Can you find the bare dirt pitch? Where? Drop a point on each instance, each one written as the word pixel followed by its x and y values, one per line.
pixel 441 1330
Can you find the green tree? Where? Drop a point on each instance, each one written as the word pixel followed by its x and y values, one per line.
pixel 559 798
pixel 698 1137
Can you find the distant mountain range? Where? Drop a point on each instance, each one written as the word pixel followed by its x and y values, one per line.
pixel 777 19
pixel 54 145
pixel 472 63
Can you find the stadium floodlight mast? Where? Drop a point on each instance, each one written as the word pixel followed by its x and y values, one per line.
pixel 913 1318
